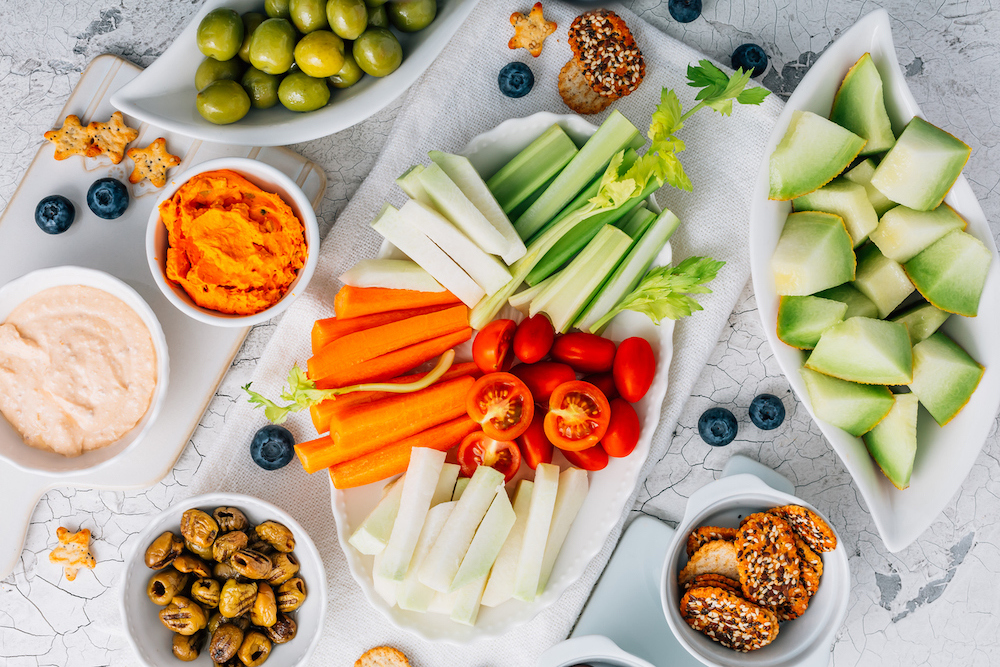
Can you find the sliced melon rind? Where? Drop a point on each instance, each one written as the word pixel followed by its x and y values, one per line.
pixel 812 153
pixel 802 319
pixel 813 253
pixel 854 407
pixel 882 280
pixel 921 320
pixel 859 106
pixel 846 199
pixel 902 232
pixel 893 442
pixel 858 305
pixel 951 272
pixel 864 350
pixel 944 376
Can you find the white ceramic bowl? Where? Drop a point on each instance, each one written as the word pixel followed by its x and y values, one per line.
pixel 164 94
pixel 804 641
pixel 593 650
pixel 944 455
pixel 267 178
pixel 151 641
pixel 12 447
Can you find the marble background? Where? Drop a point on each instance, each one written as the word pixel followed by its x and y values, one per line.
pixel 934 603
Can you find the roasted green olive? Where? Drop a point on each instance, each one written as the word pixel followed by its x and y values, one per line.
pixel 215 621
pixel 230 518
pixel 285 566
pixel 183 616
pixel 226 641
pixel 308 15
pixel 206 592
pixel 272 46
pixel 255 649
pixel 251 564
pixel 283 630
pixel 164 585
pixel 225 571
pixel 265 608
pixel 220 34
pixel 300 92
pixel 377 52
pixel 411 15
pixel 236 599
pixel 163 550
pixel 211 70
pixel 277 535
pixel 291 595
pixel 191 563
pixel 320 54
pixel 199 527
pixel 187 647
pixel 250 22
pixel 229 543
pixel 205 553
pixel 377 17
pixel 348 18
pixel 349 74
pixel 223 102
pixel 276 9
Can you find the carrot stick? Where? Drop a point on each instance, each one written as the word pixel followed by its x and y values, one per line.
pixel 311 451
pixel 393 459
pixel 363 346
pixel 393 364
pixel 357 301
pixel 330 329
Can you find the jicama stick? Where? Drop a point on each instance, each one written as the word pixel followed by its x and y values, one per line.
pixel 358 301
pixel 330 329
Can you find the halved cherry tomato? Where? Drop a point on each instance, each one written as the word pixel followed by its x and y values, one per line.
pixel 533 338
pixel 634 368
pixel 535 447
pixel 543 378
pixel 578 416
pixel 623 429
pixel 592 458
pixel 502 404
pixel 479 449
pixel 605 382
pixel 491 348
pixel 584 352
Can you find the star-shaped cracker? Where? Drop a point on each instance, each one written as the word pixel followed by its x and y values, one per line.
pixel 73 552
pixel 111 138
pixel 152 162
pixel 72 138
pixel 530 31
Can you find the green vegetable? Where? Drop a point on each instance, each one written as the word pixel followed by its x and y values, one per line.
pixel 636 224
pixel 531 169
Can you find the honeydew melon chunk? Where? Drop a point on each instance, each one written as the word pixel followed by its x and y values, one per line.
pixel 465 609
pixel 951 272
pixel 846 199
pixel 861 174
pixel 536 532
pixel 453 204
pixel 923 165
pixel 813 253
pixel 500 587
pixel 410 593
pixel 893 441
pixel 572 492
pixel 373 534
pixel 854 407
pixel 881 279
pixel 902 232
pixel 921 321
pixel 486 544
pixel 801 319
pixel 864 350
pixel 421 481
pixel 445 558
pixel 812 153
pixel 446 484
pixel 460 485
pixel 387 589
pixel 859 106
pixel 410 184
pixel 944 376
pixel 391 274
pixel 858 305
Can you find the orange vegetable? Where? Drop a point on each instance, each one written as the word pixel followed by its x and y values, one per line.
pixel 330 329
pixel 357 301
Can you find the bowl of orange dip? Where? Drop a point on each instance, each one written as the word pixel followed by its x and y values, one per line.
pixel 232 242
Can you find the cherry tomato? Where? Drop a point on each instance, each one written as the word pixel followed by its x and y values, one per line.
pixel 592 458
pixel 533 338
pixel 535 447
pixel 479 449
pixel 543 378
pixel 501 404
pixel 623 429
pixel 491 348
pixel 605 382
pixel 578 416
pixel 584 352
pixel 634 368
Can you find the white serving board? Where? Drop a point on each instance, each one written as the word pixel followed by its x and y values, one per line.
pixel 199 354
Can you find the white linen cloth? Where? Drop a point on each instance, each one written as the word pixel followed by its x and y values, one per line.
pixel 456 99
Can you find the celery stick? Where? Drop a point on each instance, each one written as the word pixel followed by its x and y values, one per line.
pixel 410 593
pixel 530 169
pixel 532 198
pixel 536 532
pixel 572 492
pixel 446 484
pixel 637 223
pixel 392 274
pixel 523 299
pixel 486 544
pixel 614 134
pixel 501 584
pixel 372 535
pixel 452 203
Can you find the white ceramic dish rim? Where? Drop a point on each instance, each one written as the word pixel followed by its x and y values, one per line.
pixel 589 649
pixel 871 33
pixel 303 545
pixel 266 177
pixel 41 279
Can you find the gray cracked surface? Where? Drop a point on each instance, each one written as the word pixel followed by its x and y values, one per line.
pixel 933 603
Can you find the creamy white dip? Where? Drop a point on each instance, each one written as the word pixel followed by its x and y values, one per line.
pixel 77 369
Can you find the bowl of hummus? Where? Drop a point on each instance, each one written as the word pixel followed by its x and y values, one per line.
pixel 232 242
pixel 83 370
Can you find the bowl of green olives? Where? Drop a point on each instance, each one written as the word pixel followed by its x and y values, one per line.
pixel 277 72
pixel 223 579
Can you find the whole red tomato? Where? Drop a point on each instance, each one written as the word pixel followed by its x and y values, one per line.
pixel 535 446
pixel 533 338
pixel 605 382
pixel 584 352
pixel 491 348
pixel 543 378
pixel 623 430
pixel 634 368
pixel 593 458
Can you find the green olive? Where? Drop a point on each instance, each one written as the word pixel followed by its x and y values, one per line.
pixel 348 18
pixel 349 74
pixel 223 102
pixel 276 9
pixel 412 15
pixel 377 52
pixel 308 15
pixel 375 3
pixel 220 34
pixel 272 46
pixel 300 92
pixel 262 89
pixel 211 70
pixel 250 22
pixel 320 54
pixel 377 17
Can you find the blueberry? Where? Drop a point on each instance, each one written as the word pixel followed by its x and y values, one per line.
pixel 767 412
pixel 684 11
pixel 516 80
pixel 717 427
pixel 107 198
pixel 272 447
pixel 751 58
pixel 54 214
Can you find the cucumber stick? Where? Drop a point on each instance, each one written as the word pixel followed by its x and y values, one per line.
pixel 530 169
pixel 460 485
pixel 486 545
pixel 445 558
pixel 410 593
pixel 424 252
pixel 391 274
pixel 465 609
pixel 446 484
pixel 410 183
pixel 500 587
pixel 372 535
pixel 536 531
pixel 421 481
pixel 448 198
pixel 572 492
pixel 387 589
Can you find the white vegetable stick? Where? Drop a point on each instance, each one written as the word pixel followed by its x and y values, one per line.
pixel 536 531
pixel 386 588
pixel 500 587
pixel 443 603
pixel 460 486
pixel 454 205
pixel 486 544
pixel 465 609
pixel 446 484
pixel 391 274
pixel 411 594
pixel 573 487
pixel 372 535
pixel 410 183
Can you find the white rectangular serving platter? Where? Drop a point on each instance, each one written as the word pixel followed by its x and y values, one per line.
pixel 200 354
pixel 944 455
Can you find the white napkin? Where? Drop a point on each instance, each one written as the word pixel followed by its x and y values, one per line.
pixel 456 99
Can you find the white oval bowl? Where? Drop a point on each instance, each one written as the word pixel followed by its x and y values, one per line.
pixel 267 178
pixel 12 447
pixel 593 650
pixel 151 641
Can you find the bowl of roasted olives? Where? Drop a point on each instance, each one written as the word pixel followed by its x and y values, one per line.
pixel 224 579
pixel 276 72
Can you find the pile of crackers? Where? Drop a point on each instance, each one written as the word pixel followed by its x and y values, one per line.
pixel 740 584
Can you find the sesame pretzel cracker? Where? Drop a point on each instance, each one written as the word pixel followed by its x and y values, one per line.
pixel 716 580
pixel 768 561
pixel 809 526
pixel 728 619
pixel 607 53
pixel 576 92
pixel 716 557
pixel 700 536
